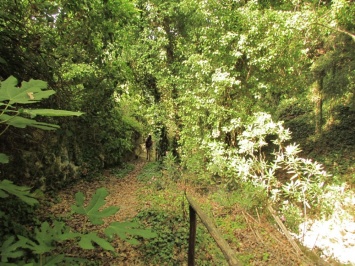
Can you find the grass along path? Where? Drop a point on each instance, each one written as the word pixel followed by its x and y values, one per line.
pixel 149 196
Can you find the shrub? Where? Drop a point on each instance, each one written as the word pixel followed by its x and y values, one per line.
pixel 281 173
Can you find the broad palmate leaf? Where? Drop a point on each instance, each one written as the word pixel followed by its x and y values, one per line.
pixel 123 229
pixel 46 234
pixel 92 210
pixel 4 158
pixel 22 122
pixel 50 112
pixel 46 237
pixel 10 249
pixel 86 242
pixel 35 247
pixel 7 187
pixel 28 92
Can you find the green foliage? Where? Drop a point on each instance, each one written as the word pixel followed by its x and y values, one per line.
pixel 11 96
pixel 44 241
pixel 123 170
pixel 87 239
pixel 128 228
pixel 171 242
pixel 291 216
pixel 46 238
pixel 9 249
pixel 91 211
pixel 82 59
pixel 202 69
pixel 28 93
pixel 150 171
pixel 23 193
pixel 246 196
pixel 171 167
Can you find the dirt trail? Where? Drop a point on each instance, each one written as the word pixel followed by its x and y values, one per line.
pixel 123 193
pixel 259 237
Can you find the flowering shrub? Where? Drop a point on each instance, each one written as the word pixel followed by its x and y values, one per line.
pixel 283 175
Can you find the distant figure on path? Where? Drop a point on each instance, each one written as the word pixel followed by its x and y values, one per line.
pixel 148 146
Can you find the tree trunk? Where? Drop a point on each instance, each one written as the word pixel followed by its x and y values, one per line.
pixel 318 100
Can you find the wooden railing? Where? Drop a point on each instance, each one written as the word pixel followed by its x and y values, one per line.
pixel 194 209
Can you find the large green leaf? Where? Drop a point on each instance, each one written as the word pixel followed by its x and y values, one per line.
pixel 50 112
pixel 36 247
pixel 22 192
pixel 10 249
pixel 22 122
pixel 28 92
pixel 44 241
pixel 123 229
pixel 86 242
pixel 92 210
pixel 46 234
pixel 4 158
pixel 55 260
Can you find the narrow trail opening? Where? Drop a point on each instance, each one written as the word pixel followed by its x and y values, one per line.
pixel 123 194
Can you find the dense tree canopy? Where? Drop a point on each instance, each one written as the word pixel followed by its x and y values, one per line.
pixel 209 79
pixel 192 68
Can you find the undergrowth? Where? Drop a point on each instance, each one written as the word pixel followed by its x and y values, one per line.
pixel 171 245
pixel 150 171
pixel 166 213
pixel 123 170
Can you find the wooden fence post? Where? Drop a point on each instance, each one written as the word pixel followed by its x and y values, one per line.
pixel 222 244
pixel 192 237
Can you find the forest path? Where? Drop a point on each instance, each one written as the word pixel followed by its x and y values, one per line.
pixel 260 238
pixel 123 193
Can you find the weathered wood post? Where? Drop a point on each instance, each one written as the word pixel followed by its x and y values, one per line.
pixel 192 237
pixel 228 253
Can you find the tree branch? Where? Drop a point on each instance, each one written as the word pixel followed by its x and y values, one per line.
pixel 352 35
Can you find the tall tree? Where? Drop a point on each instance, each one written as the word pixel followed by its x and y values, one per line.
pixel 78 48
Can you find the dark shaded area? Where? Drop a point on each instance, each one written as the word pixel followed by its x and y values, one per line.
pixel 335 147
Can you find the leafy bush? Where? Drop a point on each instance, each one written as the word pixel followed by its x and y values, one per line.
pixel 246 196
pixel 124 170
pixel 149 172
pixel 170 166
pixel 281 173
pixel 291 216
pixel 41 246
pixel 171 244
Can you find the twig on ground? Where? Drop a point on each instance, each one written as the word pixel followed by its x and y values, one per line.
pixel 257 236
pixel 285 231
